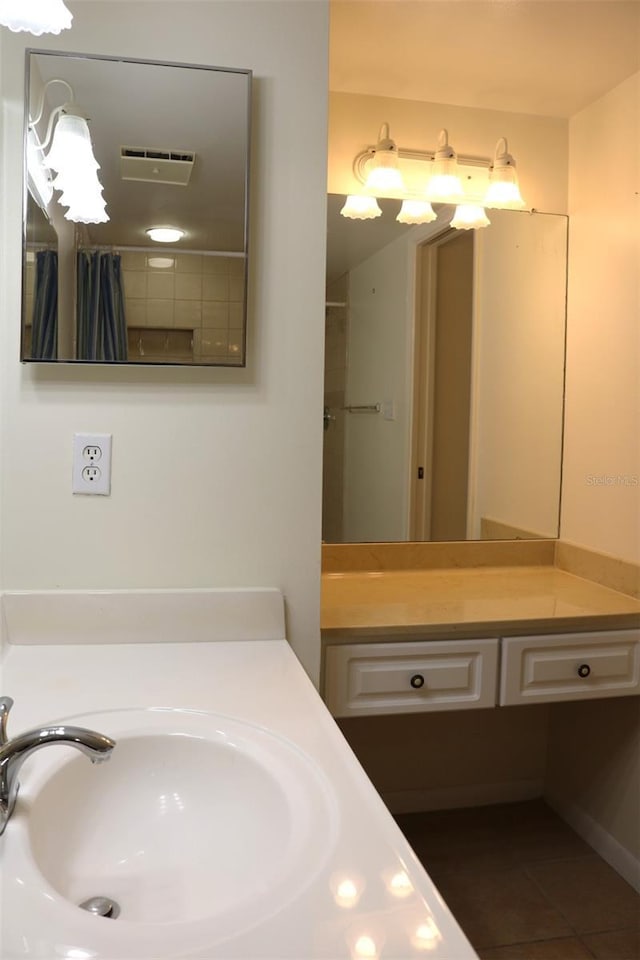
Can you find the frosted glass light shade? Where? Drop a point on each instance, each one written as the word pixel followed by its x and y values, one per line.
pixel 384 173
pixel 35 16
pixel 469 216
pixel 416 211
pixel 503 190
pixel 444 184
pixel 359 207
pixel 71 148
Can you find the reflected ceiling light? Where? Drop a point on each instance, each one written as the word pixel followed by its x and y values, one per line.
pixel 359 207
pixel 503 190
pixel 365 948
pixel 71 157
pixel 399 885
pixel 165 234
pixel 444 184
pixel 35 16
pixel 416 211
pixel 469 216
pixel 427 936
pixel 160 263
pixel 384 175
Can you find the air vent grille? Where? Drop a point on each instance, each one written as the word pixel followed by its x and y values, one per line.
pixel 156 166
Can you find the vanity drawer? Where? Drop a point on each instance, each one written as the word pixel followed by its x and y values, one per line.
pixel 578 666
pixel 377 678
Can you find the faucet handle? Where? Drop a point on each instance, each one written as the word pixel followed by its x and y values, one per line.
pixel 5 706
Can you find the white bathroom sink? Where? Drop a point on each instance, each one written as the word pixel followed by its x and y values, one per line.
pixel 194 817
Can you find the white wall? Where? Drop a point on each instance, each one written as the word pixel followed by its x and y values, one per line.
pixel 518 380
pixel 216 476
pixel 601 482
pixel 538 144
pixel 379 350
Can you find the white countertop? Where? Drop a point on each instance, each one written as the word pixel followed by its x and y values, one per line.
pixel 262 682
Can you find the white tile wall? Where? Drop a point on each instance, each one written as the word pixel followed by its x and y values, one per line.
pixel 195 292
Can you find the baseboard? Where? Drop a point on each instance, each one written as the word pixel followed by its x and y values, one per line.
pixel 472 795
pixel 617 856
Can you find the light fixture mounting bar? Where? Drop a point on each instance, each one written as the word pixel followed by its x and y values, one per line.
pixel 361 160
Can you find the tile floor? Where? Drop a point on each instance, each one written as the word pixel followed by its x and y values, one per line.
pixel 524 886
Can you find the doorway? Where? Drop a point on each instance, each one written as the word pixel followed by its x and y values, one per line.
pixel 442 387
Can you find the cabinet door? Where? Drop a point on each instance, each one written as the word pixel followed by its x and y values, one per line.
pixel 377 678
pixel 579 666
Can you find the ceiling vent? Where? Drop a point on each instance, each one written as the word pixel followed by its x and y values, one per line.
pixel 156 166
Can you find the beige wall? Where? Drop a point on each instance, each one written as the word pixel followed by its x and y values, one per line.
pixel 216 473
pixel 594 748
pixel 520 295
pixel 538 144
pixel 601 480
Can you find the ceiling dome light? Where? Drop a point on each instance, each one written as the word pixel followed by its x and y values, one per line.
pixel 469 216
pixel 35 16
pixel 360 208
pixel 165 234
pixel 444 184
pixel 416 211
pixel 384 174
pixel 503 190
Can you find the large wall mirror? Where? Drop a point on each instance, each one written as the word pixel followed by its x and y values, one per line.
pixel 444 378
pixel 171 144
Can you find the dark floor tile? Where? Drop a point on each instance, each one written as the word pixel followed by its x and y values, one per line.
pixel 566 948
pixel 501 908
pixel 614 945
pixel 589 893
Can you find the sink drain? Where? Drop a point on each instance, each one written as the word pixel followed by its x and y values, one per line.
pixel 101 907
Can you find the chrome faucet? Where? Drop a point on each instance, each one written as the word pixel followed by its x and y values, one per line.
pixel 14 752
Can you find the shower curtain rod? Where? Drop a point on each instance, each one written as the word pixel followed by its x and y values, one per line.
pixel 110 248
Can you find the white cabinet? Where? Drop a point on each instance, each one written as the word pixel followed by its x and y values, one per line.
pixel 578 666
pixel 377 678
pixel 417 676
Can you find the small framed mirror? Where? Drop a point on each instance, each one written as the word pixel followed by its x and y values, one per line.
pixel 117 149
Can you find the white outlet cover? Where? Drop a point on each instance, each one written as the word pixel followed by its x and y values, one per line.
pixel 92 464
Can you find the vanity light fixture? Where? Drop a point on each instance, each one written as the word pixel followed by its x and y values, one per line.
pixel 165 234
pixel 469 216
pixel 35 16
pixel 487 183
pixel 444 183
pixel 71 157
pixel 503 190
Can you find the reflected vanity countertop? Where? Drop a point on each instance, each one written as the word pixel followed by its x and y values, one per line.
pixel 481 601
pixel 367 897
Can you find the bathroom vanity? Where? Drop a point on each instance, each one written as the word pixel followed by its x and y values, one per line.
pixel 231 821
pixel 458 638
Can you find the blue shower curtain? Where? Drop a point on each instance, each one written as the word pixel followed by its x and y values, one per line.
pixel 102 327
pixel 44 319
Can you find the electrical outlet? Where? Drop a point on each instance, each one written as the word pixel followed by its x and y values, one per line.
pixel 92 463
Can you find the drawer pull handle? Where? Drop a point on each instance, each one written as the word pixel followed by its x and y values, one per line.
pixel 584 670
pixel 417 681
